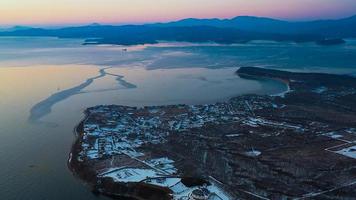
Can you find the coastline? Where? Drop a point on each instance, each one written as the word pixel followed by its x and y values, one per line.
pixel 111 188
pixel 73 165
pixel 286 82
pixel 90 179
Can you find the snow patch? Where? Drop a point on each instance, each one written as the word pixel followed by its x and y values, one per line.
pixel 131 175
pixel 253 153
pixel 349 152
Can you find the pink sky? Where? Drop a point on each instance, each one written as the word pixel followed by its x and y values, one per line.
pixel 42 12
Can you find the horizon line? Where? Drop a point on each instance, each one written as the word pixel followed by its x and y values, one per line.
pixel 59 25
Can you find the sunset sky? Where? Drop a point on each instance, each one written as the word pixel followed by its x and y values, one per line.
pixel 61 12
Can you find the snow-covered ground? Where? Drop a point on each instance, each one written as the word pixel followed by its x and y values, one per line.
pixel 122 130
pixel 333 135
pixel 132 175
pixel 256 122
pixel 320 90
pixel 150 176
pixel 165 164
pixel 164 182
pixel 253 153
pixel 349 152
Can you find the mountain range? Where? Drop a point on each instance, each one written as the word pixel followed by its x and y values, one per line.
pixel 345 27
pixel 235 30
pixel 14 28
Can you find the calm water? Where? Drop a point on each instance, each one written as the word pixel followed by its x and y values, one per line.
pixel 46 83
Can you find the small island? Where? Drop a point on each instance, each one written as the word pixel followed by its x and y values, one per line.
pixel 296 145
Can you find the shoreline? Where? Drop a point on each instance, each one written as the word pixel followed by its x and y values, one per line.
pixel 90 178
pixel 295 87
pixel 78 132
pixel 286 82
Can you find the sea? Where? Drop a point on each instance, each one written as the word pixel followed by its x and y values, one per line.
pixel 46 84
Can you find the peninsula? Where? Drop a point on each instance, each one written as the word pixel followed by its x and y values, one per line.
pixel 297 145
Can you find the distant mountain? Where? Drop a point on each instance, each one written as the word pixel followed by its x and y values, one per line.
pixel 94 24
pixel 15 28
pixel 242 22
pixel 330 28
pixel 227 31
pixel 142 34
